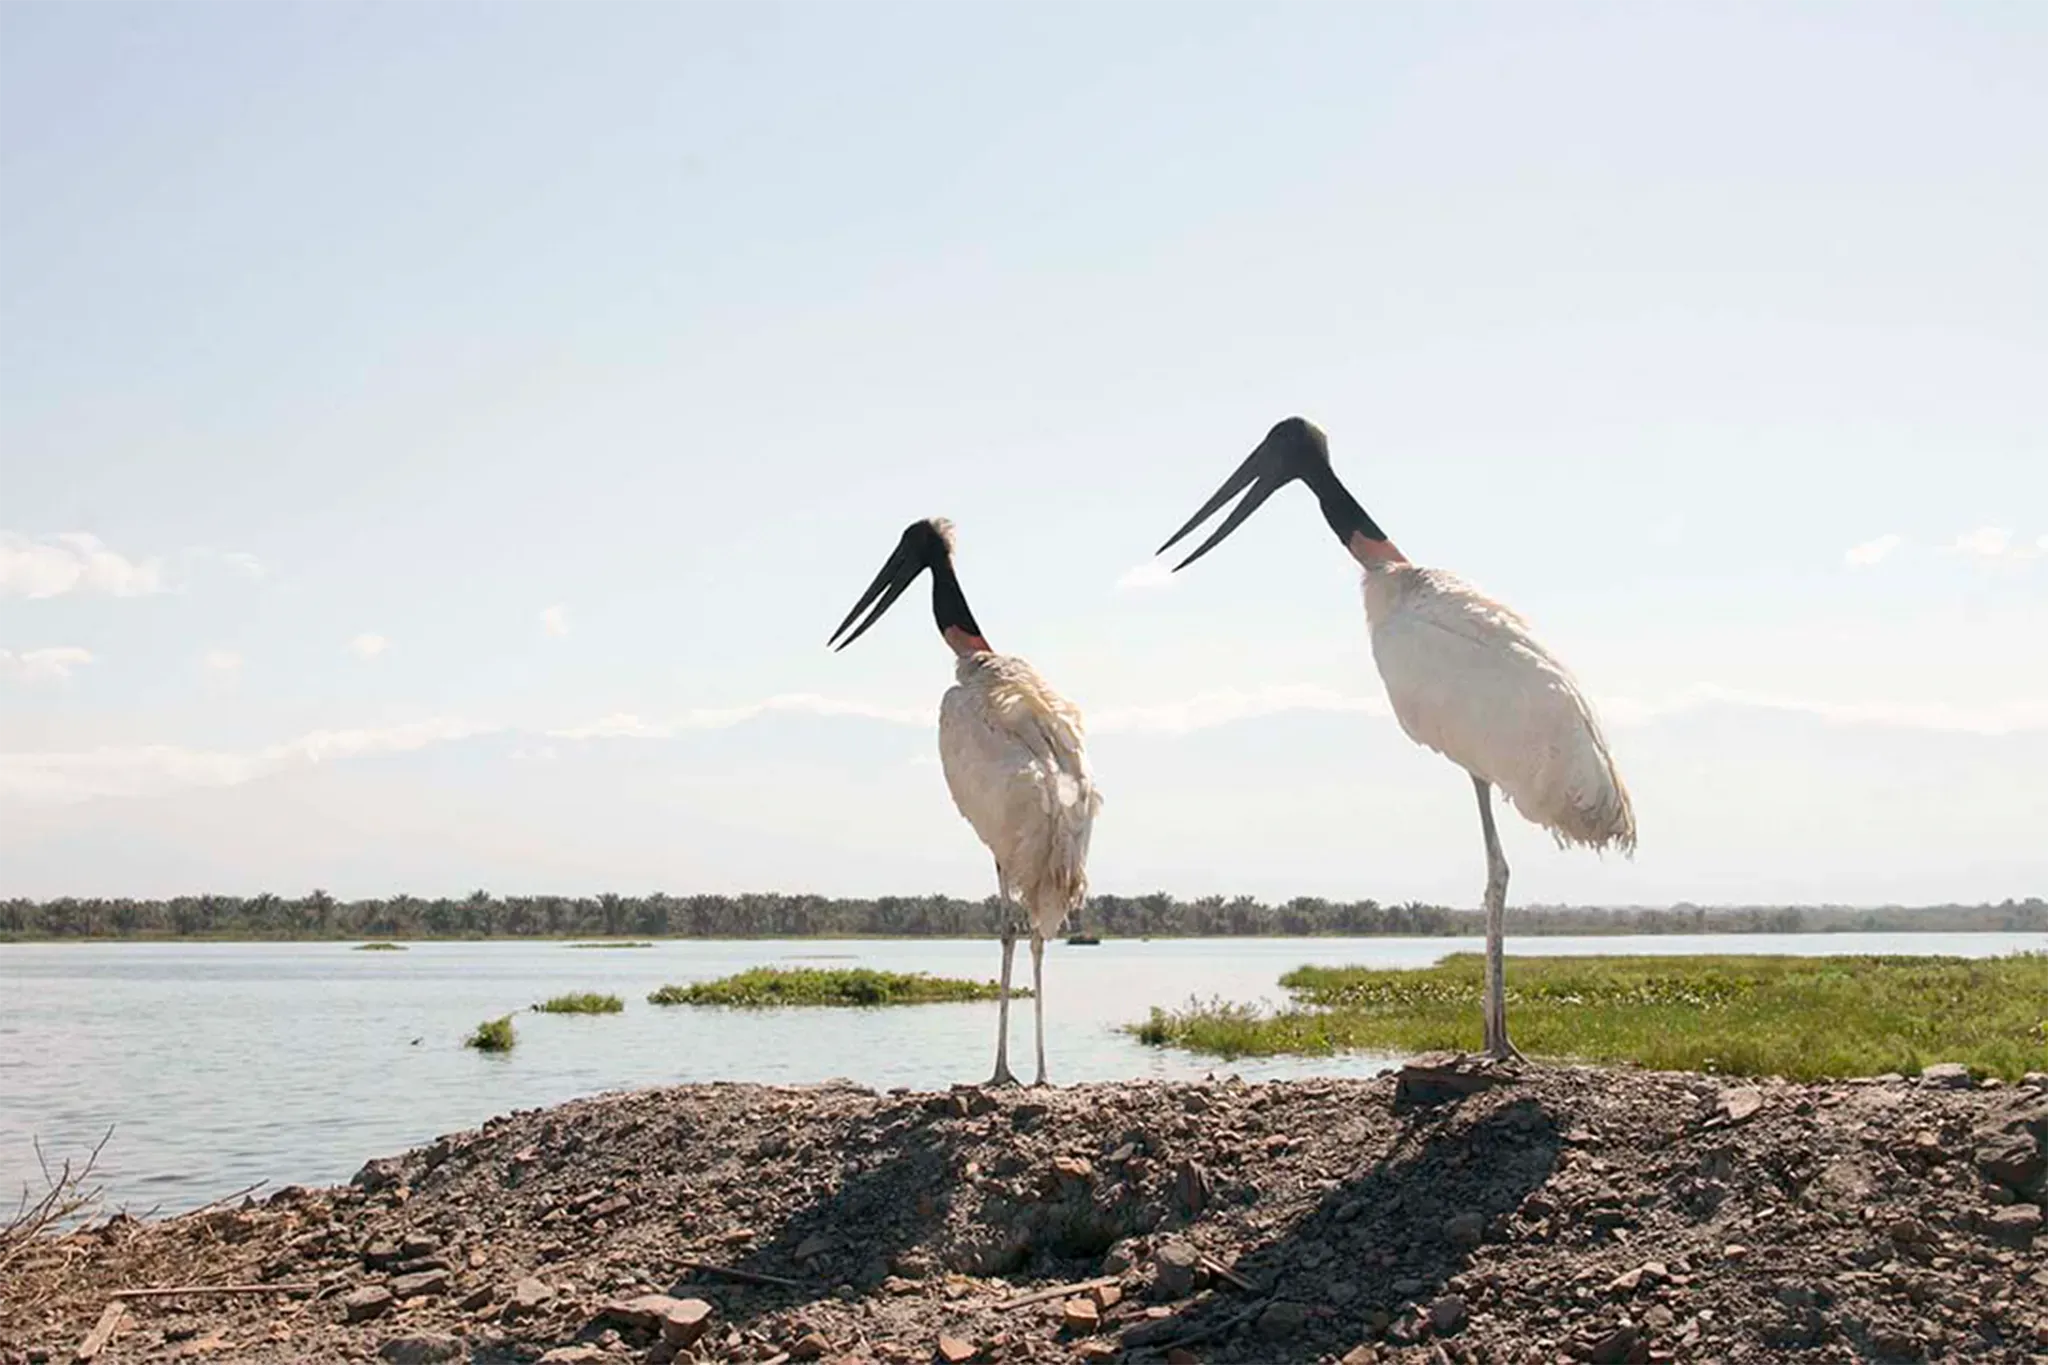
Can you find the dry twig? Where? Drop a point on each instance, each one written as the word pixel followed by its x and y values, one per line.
pixel 102 1332
pixel 1052 1293
pixel 161 1292
pixel 67 1194
pixel 1222 1329
pixel 1222 1272
pixel 249 1189
pixel 733 1273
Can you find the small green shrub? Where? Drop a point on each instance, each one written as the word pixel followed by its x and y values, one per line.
pixel 758 987
pixel 493 1036
pixel 582 1003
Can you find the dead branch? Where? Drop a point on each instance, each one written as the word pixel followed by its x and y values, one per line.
pixel 1224 1273
pixel 161 1292
pixel 249 1189
pixel 1216 1331
pixel 102 1332
pixel 68 1193
pixel 733 1273
pixel 1052 1293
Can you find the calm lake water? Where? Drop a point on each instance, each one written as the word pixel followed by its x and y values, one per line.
pixel 222 1065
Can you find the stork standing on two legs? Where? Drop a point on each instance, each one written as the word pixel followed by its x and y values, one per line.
pixel 1016 763
pixel 1467 678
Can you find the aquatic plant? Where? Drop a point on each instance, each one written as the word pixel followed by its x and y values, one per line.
pixel 1795 1017
pixel 582 1003
pixel 493 1036
pixel 758 987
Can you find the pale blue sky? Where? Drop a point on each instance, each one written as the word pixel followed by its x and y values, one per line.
pixel 348 326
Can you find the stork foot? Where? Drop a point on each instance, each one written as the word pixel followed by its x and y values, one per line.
pixel 1003 1077
pixel 1504 1051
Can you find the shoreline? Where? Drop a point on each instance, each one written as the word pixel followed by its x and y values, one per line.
pixel 1442 1212
pixel 1624 932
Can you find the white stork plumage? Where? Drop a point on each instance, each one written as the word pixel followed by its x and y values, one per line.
pixel 1016 762
pixel 1466 677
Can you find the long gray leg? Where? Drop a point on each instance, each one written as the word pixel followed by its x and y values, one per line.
pixel 1038 997
pixel 1497 1045
pixel 1003 1076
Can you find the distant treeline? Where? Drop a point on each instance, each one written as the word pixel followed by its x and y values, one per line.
pixel 769 915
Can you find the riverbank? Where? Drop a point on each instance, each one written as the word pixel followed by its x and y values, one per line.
pixel 1443 1214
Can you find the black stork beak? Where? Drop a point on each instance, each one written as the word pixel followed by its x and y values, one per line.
pixel 1289 452
pixel 904 564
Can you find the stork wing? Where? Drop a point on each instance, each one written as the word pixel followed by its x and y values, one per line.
pixel 1017 766
pixel 1468 678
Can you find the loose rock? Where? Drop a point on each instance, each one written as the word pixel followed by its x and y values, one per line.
pixel 423 1283
pixel 422 1349
pixel 1174 1269
pixel 370 1302
pixel 1879 1221
pixel 528 1297
pixel 1282 1319
pixel 2015 1224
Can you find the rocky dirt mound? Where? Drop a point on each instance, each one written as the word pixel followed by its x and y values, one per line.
pixel 1450 1214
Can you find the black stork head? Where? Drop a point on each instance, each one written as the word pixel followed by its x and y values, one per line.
pixel 925 544
pixel 1295 449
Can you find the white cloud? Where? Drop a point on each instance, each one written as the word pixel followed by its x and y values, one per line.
pixel 72 562
pixel 240 561
pixel 2001 719
pixel 1989 542
pixel 1226 705
pixel 79 562
pixel 56 778
pixel 46 665
pixel 51 778
pixel 627 726
pixel 369 645
pixel 1870 552
pixel 1150 575
pixel 1996 543
pixel 555 620
pixel 221 661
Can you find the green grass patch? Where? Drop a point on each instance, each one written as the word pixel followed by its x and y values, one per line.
pixel 380 946
pixel 615 944
pixel 493 1036
pixel 1800 1018
pixel 582 1003
pixel 827 987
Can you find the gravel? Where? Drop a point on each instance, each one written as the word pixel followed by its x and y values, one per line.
pixel 1456 1212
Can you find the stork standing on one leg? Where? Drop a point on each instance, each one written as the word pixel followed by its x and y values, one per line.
pixel 1467 678
pixel 1015 761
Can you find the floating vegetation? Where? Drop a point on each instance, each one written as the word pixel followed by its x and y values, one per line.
pixel 380 946
pixel 615 944
pixel 827 987
pixel 493 1036
pixel 1801 1018
pixel 582 1003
